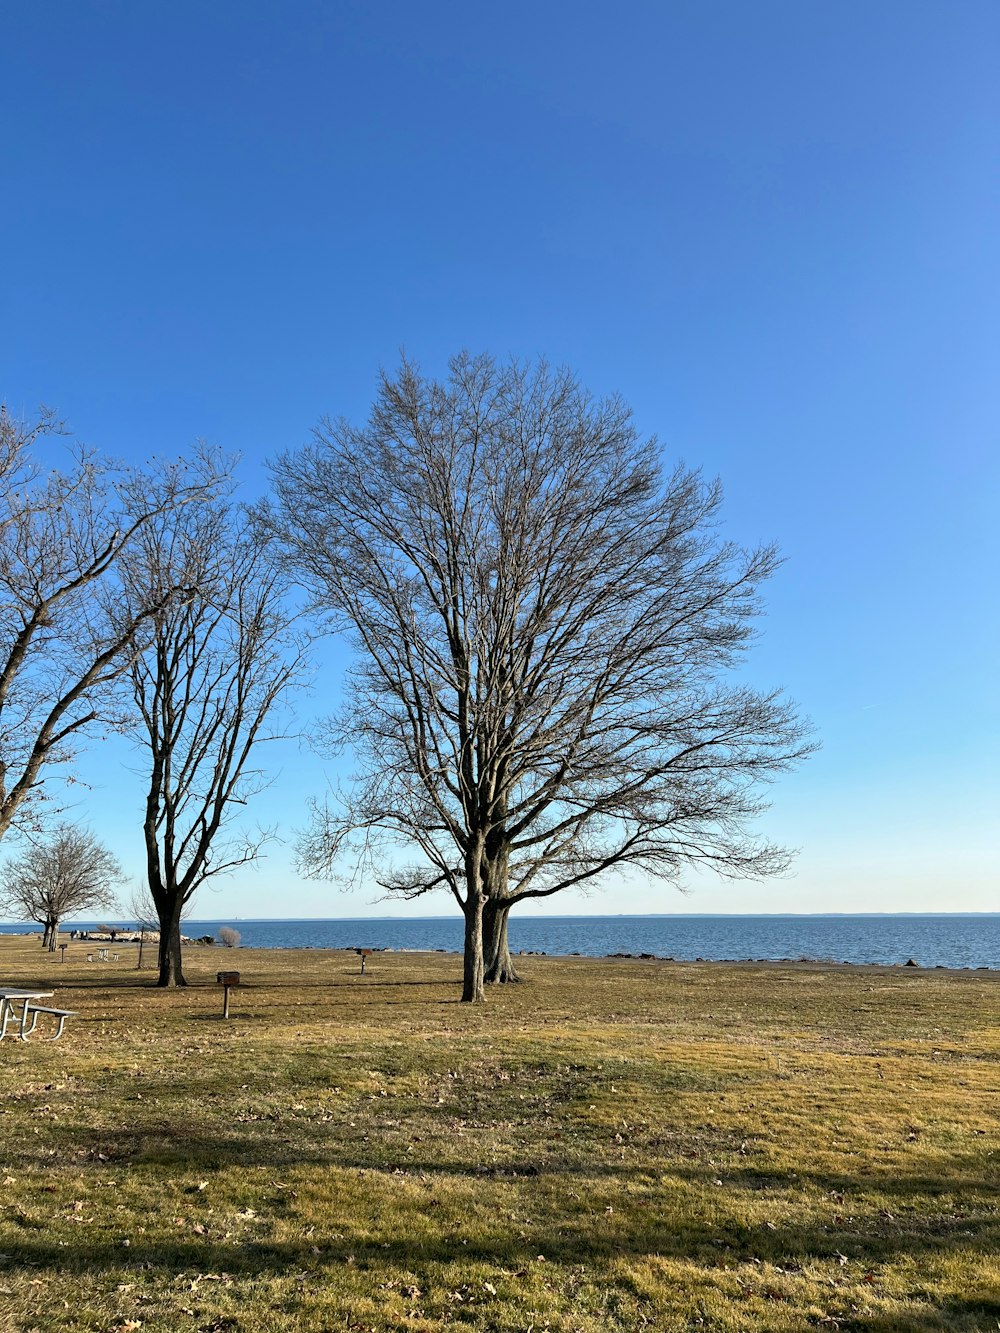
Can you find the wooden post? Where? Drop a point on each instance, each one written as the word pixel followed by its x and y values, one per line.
pixel 62 952
pixel 227 979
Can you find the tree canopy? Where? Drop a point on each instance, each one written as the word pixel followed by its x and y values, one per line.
pixel 547 624
pixel 208 676
pixel 65 632
pixel 68 873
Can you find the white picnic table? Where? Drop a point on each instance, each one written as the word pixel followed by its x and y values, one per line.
pixel 9 1002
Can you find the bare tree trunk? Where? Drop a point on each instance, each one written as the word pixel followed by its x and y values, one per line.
pixel 498 962
pixel 472 970
pixel 169 950
pixel 47 936
pixel 168 899
pixel 499 966
pixel 53 933
pixel 472 958
pixel 170 955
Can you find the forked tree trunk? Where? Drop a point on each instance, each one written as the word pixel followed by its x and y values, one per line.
pixel 49 935
pixel 53 930
pixel 497 960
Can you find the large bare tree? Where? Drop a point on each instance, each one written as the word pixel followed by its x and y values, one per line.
pixel 546 626
pixel 211 670
pixel 59 876
pixel 66 519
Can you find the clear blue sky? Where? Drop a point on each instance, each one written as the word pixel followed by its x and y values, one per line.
pixel 773 227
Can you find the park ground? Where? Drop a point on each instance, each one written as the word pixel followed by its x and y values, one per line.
pixel 612 1145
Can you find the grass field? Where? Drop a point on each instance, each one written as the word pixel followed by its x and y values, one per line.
pixel 613 1145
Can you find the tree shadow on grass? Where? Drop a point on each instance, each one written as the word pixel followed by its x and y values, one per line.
pixel 146 983
pixel 977 1169
pixel 570 1196
pixel 271 1138
pixel 148 1262
pixel 973 1314
pixel 577 1242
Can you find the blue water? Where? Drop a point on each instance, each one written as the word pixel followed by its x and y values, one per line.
pixel 947 940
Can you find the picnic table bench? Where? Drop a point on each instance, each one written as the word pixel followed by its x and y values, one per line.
pixel 25 1025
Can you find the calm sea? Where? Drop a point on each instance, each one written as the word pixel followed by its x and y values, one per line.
pixel 933 941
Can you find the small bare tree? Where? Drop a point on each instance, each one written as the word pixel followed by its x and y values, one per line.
pixel 141 908
pixel 212 670
pixel 64 636
pixel 544 623
pixel 61 876
pixel 229 937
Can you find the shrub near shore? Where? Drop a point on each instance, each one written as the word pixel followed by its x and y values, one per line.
pixel 615 1145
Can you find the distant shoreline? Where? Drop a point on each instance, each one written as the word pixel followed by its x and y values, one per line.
pixel 535 954
pixel 578 916
pixel 952 940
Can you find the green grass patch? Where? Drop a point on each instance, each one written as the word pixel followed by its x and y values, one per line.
pixel 613 1145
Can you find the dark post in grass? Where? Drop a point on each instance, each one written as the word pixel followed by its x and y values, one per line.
pixel 363 954
pixel 227 979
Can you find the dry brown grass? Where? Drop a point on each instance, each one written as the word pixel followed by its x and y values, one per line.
pixel 614 1145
